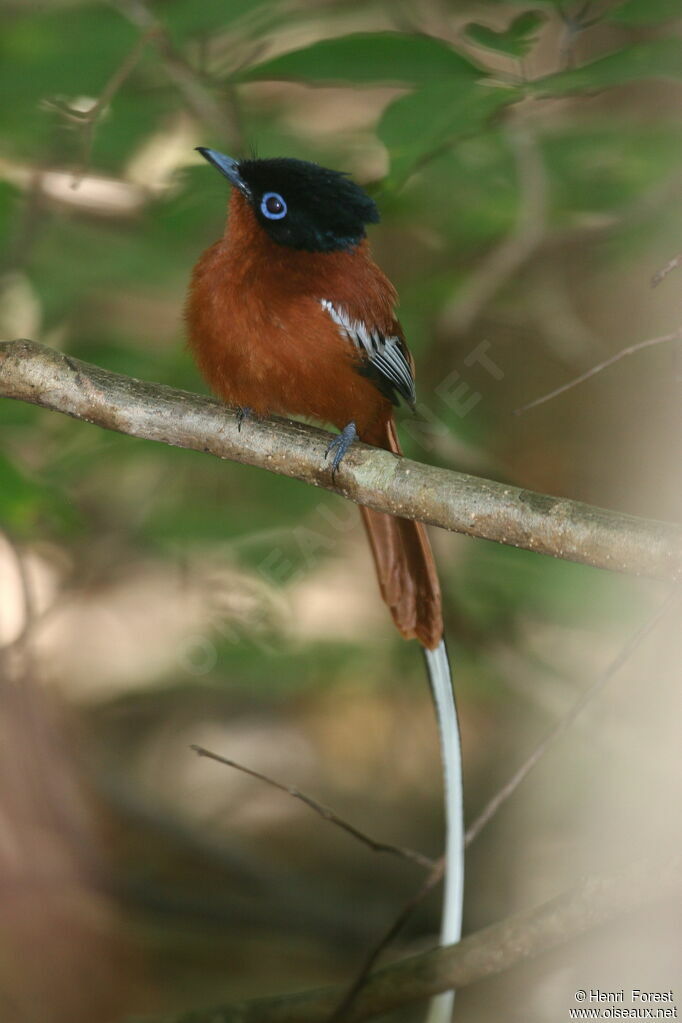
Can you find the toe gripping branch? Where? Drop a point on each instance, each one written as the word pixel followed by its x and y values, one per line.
pixel 243 412
pixel 340 445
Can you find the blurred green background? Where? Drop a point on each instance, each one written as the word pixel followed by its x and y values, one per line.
pixel 526 160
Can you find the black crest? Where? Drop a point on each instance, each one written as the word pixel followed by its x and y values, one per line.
pixel 325 210
pixel 301 204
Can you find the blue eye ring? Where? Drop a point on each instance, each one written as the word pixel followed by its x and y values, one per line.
pixel 273 206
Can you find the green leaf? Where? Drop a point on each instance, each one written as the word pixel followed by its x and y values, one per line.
pixel 429 119
pixel 187 19
pixel 645 12
pixel 71 52
pixel 8 199
pixel 133 116
pixel 66 53
pixel 527 24
pixel 515 40
pixel 603 167
pixel 660 58
pixel 24 502
pixel 468 197
pixel 19 498
pixel 368 58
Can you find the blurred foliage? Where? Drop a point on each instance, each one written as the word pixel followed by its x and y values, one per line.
pixel 422 104
pixel 109 285
pixel 368 58
pixel 515 40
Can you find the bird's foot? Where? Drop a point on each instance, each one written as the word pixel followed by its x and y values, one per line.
pixel 340 444
pixel 243 412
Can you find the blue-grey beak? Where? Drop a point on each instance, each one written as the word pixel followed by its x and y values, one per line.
pixel 227 166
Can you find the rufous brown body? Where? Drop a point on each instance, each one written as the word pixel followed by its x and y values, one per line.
pixel 262 335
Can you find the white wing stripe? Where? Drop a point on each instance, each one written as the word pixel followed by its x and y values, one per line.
pixel 393 363
pixel 385 353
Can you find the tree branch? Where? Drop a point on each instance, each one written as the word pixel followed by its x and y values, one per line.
pixel 452 500
pixel 324 812
pixel 484 954
pixel 661 274
pixel 651 342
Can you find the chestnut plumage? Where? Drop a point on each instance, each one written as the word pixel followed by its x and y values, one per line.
pixel 289 314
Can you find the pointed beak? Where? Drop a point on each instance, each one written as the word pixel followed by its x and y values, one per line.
pixel 227 166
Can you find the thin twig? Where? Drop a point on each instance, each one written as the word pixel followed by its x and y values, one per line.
pixel 562 726
pixel 324 811
pixel 486 953
pixel 91 117
pixel 661 274
pixel 630 350
pixel 222 119
pixel 435 876
pixel 574 25
pixel 501 797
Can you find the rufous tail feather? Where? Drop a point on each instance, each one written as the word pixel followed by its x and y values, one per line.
pixel 404 564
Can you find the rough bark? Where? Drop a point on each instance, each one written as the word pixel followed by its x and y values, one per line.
pixel 452 500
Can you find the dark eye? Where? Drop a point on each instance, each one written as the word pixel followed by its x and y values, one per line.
pixel 273 206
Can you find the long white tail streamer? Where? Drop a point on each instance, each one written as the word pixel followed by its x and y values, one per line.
pixel 440 1009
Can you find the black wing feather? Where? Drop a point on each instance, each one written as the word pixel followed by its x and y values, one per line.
pixel 385 359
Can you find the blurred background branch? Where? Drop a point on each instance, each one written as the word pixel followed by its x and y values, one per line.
pixel 640 346
pixel 483 954
pixel 221 116
pixel 509 256
pixel 325 812
pixel 526 161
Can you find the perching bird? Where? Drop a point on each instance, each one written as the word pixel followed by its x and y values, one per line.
pixel 288 314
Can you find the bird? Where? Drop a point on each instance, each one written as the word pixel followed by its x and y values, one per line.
pixel 288 314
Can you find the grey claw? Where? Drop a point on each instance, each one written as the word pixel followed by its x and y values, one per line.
pixel 339 446
pixel 242 414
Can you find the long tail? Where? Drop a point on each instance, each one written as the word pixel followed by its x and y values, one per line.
pixel 440 678
pixel 409 585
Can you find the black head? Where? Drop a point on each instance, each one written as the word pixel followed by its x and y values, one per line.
pixel 300 204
